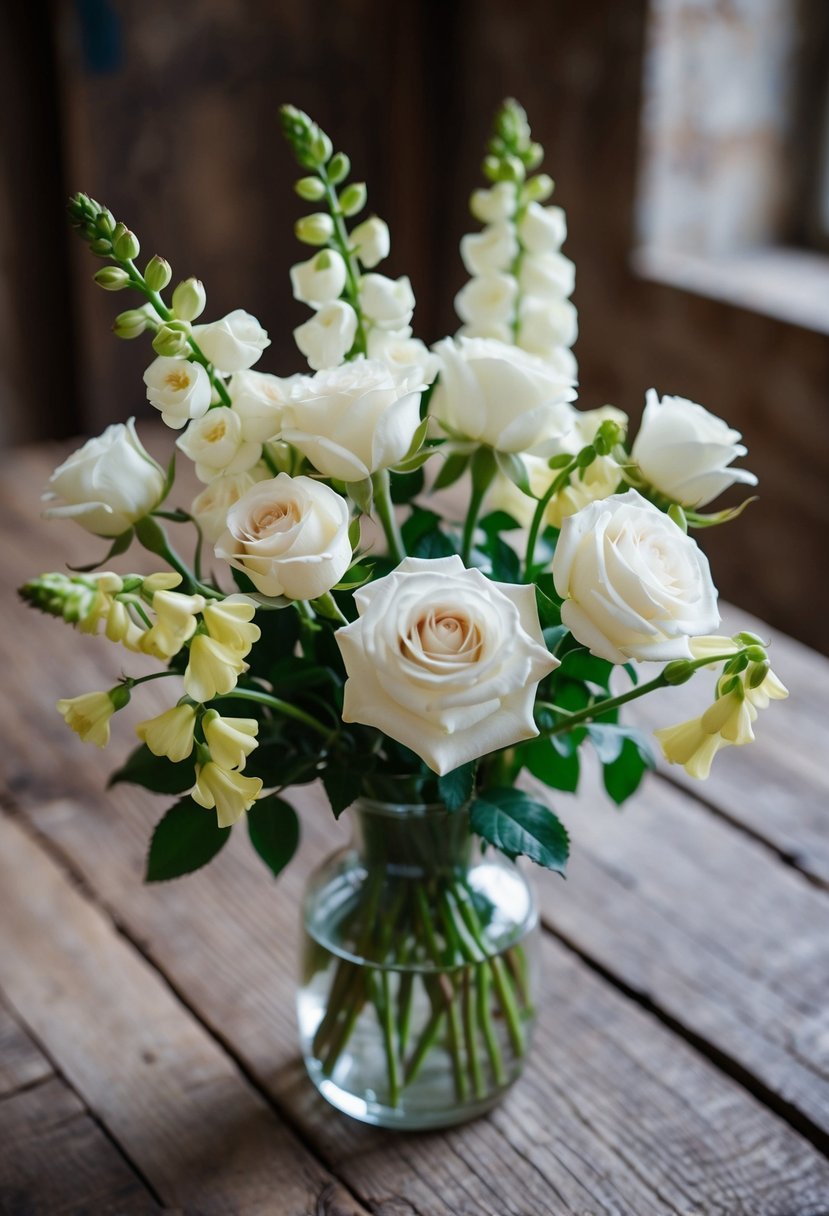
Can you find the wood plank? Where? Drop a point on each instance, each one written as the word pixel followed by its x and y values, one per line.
pixel 615 1114
pixel 21 1064
pixel 56 1161
pixel 168 1095
pixel 707 925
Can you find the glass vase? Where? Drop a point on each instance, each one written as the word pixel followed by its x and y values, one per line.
pixel 416 1003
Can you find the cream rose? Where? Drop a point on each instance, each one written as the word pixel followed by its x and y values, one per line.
pixel 180 389
pixel 498 395
pixel 684 451
pixel 290 536
pixel 401 350
pixel 258 398
pixel 444 661
pixel 210 507
pixel 352 420
pixel 634 585
pixel 234 343
pixel 108 484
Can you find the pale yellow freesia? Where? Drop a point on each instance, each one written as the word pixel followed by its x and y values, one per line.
pixel 231 740
pixel 174 625
pixel 731 717
pixel 213 669
pixel 691 746
pixel 230 621
pixel 170 734
pixel 771 689
pixel 88 715
pixel 165 580
pixel 120 627
pixel 709 644
pixel 231 793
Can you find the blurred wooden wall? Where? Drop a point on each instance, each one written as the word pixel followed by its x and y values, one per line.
pixel 167 112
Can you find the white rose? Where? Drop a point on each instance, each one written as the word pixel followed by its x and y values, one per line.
pixel 328 336
pixel 215 444
pixel 370 241
pixel 684 451
pixel 319 280
pixel 258 398
pixel 489 251
pixel 547 276
pixel 233 344
pixel 290 536
pixel 210 507
pixel 108 484
pixel 401 350
pixel 499 395
pixel 487 300
pixel 494 205
pixel 180 389
pixel 352 420
pixel 389 303
pixel 635 586
pixel 546 324
pixel 542 229
pixel 444 661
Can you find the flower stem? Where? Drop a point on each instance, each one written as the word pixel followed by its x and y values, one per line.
pixel 555 485
pixel 385 513
pixel 352 277
pixel 482 469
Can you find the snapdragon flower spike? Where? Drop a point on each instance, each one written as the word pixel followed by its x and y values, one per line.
pixel 520 285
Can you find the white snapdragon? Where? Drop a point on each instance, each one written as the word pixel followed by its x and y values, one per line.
pixel 542 229
pixel 489 251
pixel 215 444
pixel 547 326
pixel 388 303
pixel 547 276
pixel 319 280
pixel 370 241
pixel 108 484
pixel 685 452
pixel 234 343
pixel 399 349
pixel 258 398
pixel 181 390
pixel 486 300
pixel 493 205
pixel 328 336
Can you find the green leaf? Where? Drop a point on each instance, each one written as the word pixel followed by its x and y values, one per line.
pixel 406 485
pixel 514 823
pixel 514 469
pixel 273 828
pixel 453 469
pixel 581 665
pixel 544 761
pixel 505 564
pixel 610 739
pixel 342 785
pixel 361 494
pixel 183 841
pixel 277 764
pixel 423 537
pixel 456 788
pixel 623 775
pixel 155 773
pixel 554 636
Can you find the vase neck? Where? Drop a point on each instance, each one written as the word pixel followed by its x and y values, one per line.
pixel 411 839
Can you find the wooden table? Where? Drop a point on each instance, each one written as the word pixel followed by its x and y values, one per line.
pixel 148 1056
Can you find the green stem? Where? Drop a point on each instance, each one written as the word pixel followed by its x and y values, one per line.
pixel 352 277
pixel 485 1018
pixel 482 468
pixel 385 513
pixel 332 608
pixel 500 976
pixel 476 1072
pixel 384 1010
pixel 541 508
pixel 283 707
pixel 134 681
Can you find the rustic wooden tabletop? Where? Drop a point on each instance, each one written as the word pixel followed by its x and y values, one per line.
pixel 148 1052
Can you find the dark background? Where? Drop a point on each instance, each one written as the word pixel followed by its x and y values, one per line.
pixel 167 112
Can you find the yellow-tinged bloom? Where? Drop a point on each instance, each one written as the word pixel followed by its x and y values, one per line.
pixel 731 717
pixel 120 627
pixel 175 623
pixel 88 715
pixel 691 746
pixel 229 621
pixel 707 645
pixel 171 733
pixel 231 740
pixel 213 669
pixel 230 793
pixel 163 581
pixel 770 689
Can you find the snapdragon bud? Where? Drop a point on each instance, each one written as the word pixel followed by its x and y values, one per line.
pixel 158 273
pixel 539 188
pixel 310 188
pixel 533 156
pixel 353 198
pixel 131 324
pixel 169 341
pixel 316 229
pixel 119 696
pixel 756 654
pixel 189 299
pixel 677 672
pixel 321 147
pixel 339 168
pixel 112 278
pixel 126 245
pixel 101 246
pixel 758 674
pixel 586 456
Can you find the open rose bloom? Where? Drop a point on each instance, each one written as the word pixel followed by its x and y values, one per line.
pixel 333 618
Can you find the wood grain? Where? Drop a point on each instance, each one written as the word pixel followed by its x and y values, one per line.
pixel 56 1161
pixel 170 1097
pixel 21 1064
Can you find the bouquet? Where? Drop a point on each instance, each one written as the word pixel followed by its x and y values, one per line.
pixel 416 574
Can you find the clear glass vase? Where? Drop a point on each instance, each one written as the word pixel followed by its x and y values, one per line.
pixel 416 1003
